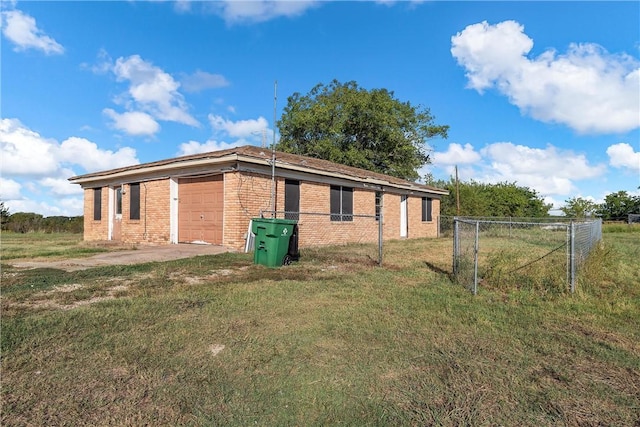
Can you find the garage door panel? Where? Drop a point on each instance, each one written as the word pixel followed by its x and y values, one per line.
pixel 201 209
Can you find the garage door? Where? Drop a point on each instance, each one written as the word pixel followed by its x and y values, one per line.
pixel 200 209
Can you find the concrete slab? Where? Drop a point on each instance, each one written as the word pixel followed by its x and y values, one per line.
pixel 126 257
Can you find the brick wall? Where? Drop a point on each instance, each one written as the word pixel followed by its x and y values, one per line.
pixel 96 230
pixel 321 230
pixel 154 223
pixel 417 227
pixel 245 196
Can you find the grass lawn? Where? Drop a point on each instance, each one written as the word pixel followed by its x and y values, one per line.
pixel 45 245
pixel 332 339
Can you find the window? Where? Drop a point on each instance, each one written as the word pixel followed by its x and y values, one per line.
pixel 97 204
pixel 426 208
pixel 341 203
pixel 119 201
pixel 134 201
pixel 378 204
pixel 291 199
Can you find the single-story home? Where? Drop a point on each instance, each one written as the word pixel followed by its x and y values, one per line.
pixel 211 198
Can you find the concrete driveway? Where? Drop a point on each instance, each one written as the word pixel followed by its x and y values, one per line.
pixel 126 257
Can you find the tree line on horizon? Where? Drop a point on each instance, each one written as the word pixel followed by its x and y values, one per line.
pixel 29 222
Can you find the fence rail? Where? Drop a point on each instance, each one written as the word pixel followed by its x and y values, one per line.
pixel 544 253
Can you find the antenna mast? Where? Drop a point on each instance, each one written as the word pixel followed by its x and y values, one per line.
pixel 273 151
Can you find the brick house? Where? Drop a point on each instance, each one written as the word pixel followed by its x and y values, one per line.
pixel 211 198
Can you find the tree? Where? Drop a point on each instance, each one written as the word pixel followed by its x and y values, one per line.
pixel 577 207
pixel 369 129
pixel 4 215
pixel 617 206
pixel 24 222
pixel 503 199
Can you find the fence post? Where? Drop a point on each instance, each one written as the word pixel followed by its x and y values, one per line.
pixel 455 246
pixel 475 266
pixel 572 257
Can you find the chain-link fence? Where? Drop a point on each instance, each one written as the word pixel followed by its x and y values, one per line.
pixel 352 236
pixel 535 253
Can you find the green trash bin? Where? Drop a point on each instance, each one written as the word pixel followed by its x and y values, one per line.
pixel 276 241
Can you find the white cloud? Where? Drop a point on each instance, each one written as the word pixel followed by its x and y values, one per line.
pixel 194 147
pixel 85 153
pixel 550 170
pixel 623 156
pixel 61 186
pixel 240 128
pixel 9 189
pixel 22 30
pixel 587 89
pixel 133 122
pixel 456 154
pixel 63 207
pixel 152 90
pixel 35 170
pixel 201 80
pixel 233 11
pixel 25 152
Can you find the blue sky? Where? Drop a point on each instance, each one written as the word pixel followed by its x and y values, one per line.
pixel 544 94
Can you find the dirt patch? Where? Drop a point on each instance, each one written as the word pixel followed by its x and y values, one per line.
pixel 46 299
pixel 140 255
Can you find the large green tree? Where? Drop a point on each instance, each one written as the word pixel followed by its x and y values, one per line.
pixel 369 129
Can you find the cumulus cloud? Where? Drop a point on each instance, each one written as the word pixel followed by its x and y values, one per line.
pixel 153 90
pixel 133 122
pixel 22 31
pixel 59 186
pixel 9 189
pixel 240 128
pixel 201 80
pixel 550 170
pixel 25 152
pixel 235 12
pixel 586 88
pixel 87 154
pixel 195 147
pixel 35 165
pixel 456 154
pixel 623 156
pixel 69 206
pixel 152 95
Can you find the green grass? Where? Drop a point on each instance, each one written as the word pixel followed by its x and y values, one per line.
pixel 330 340
pixel 44 245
